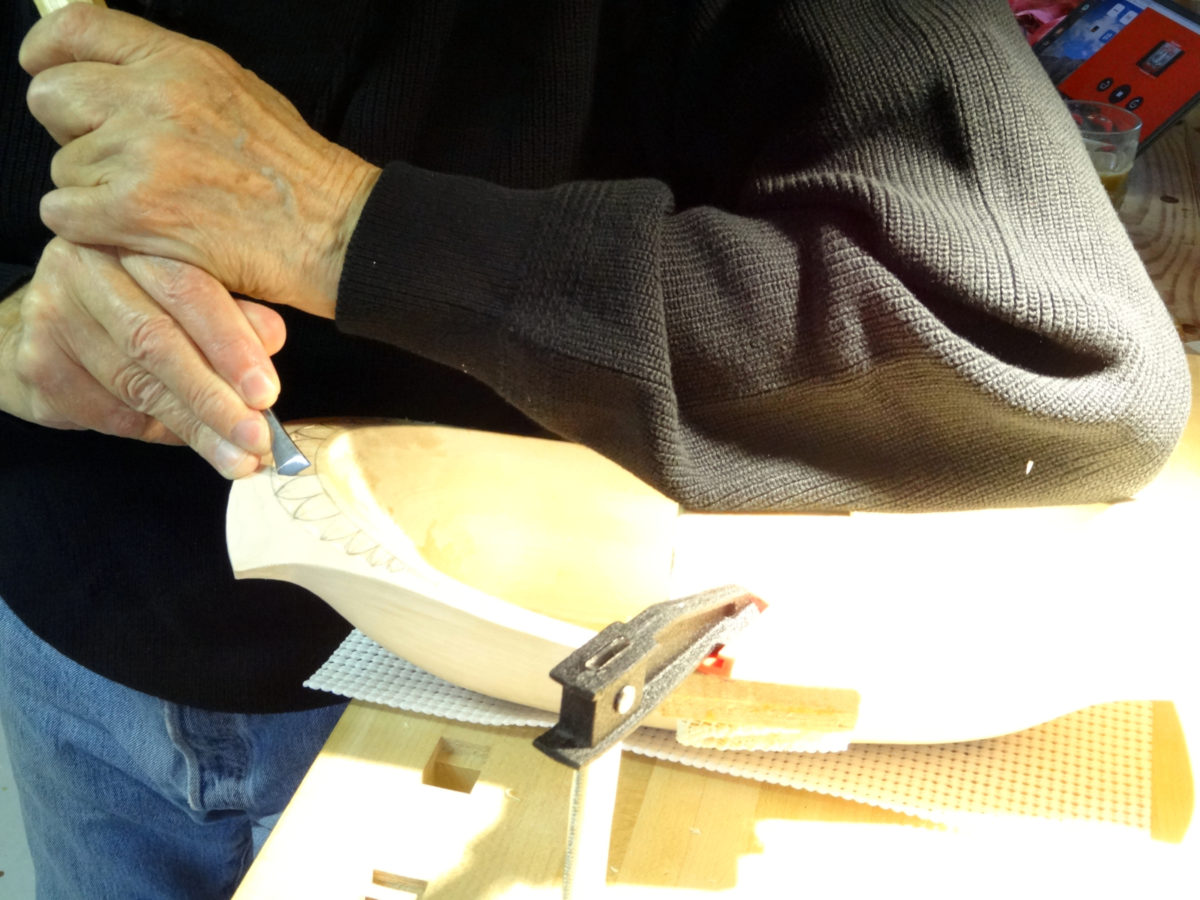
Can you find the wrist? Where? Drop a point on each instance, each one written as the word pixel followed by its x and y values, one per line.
pixel 357 183
pixel 10 318
pixel 10 326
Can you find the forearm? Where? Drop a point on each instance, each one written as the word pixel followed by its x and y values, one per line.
pixel 865 299
pixel 888 304
pixel 857 347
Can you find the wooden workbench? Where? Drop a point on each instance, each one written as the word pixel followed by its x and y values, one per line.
pixel 376 811
pixel 396 796
pixel 403 805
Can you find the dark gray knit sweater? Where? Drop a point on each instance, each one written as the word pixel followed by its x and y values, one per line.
pixel 802 254
pixel 838 255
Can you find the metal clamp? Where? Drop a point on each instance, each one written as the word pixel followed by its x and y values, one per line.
pixel 616 679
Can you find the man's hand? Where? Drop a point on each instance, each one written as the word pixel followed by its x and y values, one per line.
pixel 170 148
pixel 111 342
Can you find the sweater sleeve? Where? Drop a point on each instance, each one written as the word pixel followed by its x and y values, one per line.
pixel 923 300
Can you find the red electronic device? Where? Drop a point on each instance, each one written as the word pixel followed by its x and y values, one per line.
pixel 1143 55
pixel 1142 70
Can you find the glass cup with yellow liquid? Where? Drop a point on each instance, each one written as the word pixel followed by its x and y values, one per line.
pixel 1110 134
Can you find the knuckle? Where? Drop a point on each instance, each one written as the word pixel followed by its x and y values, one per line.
pixel 52 216
pixel 208 401
pixel 211 57
pixel 58 166
pixel 176 284
pixel 42 412
pixel 210 72
pixel 151 339
pixel 37 360
pixel 74 22
pixel 154 431
pixel 125 203
pixel 168 422
pixel 121 421
pixel 226 351
pixel 149 152
pixel 62 167
pixel 34 368
pixel 41 93
pixel 144 202
pixel 111 417
pixel 175 97
pixel 137 388
pixel 38 311
pixel 134 201
pixel 57 256
pixel 189 430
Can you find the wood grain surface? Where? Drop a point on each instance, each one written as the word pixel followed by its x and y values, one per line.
pixel 1161 213
pixel 372 820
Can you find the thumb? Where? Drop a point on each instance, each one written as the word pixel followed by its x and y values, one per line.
pixel 82 31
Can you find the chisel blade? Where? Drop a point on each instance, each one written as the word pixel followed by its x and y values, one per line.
pixel 288 458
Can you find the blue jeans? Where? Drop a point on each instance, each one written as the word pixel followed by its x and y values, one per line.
pixel 129 797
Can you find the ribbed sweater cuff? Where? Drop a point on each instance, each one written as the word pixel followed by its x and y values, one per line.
pixel 435 259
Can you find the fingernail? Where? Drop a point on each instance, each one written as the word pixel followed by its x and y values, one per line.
pixel 259 389
pixel 230 460
pixel 252 435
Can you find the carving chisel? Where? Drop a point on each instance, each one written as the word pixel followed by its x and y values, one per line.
pixel 288 458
